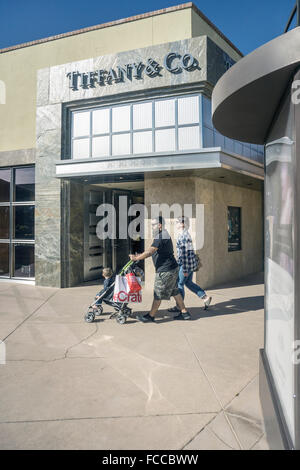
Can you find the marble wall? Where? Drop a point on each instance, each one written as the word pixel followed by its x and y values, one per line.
pixel 48 197
pixel 219 265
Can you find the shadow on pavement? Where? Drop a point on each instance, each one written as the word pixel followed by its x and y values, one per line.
pixel 230 307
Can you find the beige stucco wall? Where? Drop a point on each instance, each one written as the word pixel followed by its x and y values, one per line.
pixel 219 265
pixel 199 26
pixel 18 68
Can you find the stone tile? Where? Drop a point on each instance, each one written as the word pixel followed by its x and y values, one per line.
pixel 247 403
pixel 152 432
pixel 49 145
pixel 48 118
pixel 159 365
pixel 14 305
pixel 227 348
pixel 262 444
pixel 248 431
pixel 34 342
pixel 68 305
pixel 235 302
pixel 81 388
pixel 7 327
pixel 217 435
pixel 26 291
pixel 245 415
pixel 133 372
pixel 4 286
pixel 65 389
pixel 242 288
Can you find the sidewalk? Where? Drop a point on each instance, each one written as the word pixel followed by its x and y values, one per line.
pixel 176 385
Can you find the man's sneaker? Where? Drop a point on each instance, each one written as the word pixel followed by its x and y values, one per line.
pixel 207 303
pixel 173 309
pixel 183 316
pixel 146 318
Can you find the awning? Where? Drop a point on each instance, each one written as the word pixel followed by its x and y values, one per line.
pixel 245 99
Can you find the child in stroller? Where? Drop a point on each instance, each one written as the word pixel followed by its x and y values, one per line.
pixel 122 311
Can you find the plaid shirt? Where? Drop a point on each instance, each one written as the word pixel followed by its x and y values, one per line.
pixel 185 252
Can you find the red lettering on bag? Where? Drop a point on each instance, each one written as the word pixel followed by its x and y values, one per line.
pixel 124 297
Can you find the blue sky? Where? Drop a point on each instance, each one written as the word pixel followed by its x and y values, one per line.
pixel 248 24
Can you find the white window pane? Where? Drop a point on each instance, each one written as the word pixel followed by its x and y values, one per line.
pixel 208 137
pixel 142 116
pixel 165 140
pixel 81 148
pixel 164 113
pixel 121 118
pixel 188 110
pixel 142 142
pixel 207 111
pixel 101 121
pixel 121 144
pixel 81 124
pixel 100 146
pixel 188 138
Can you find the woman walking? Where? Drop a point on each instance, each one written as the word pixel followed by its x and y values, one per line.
pixel 187 263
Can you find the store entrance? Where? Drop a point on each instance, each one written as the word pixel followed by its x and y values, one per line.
pixel 113 251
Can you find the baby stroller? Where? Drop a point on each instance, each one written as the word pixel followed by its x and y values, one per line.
pixel 122 311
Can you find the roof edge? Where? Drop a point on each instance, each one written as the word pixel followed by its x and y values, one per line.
pixel 215 28
pixel 182 6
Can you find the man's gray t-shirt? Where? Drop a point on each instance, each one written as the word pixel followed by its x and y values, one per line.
pixel 163 258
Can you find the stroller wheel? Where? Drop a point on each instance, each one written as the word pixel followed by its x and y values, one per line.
pixel 127 311
pixel 121 319
pixel 99 310
pixel 89 317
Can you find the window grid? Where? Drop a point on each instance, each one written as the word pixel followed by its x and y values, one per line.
pixel 12 241
pixel 133 131
pixel 204 124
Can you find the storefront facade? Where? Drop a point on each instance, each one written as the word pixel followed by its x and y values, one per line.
pixel 132 126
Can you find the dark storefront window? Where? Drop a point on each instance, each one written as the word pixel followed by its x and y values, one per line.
pixel 24 222
pixel 24 260
pixel 17 194
pixel 4 259
pixel 234 229
pixel 5 185
pixel 24 184
pixel 4 222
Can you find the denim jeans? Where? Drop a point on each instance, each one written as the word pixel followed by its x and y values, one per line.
pixel 187 281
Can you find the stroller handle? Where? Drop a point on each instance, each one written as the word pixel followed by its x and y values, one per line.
pixel 127 265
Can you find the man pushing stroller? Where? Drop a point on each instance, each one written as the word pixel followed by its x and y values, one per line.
pixel 167 269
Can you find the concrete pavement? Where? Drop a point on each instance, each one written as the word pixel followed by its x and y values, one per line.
pixel 192 384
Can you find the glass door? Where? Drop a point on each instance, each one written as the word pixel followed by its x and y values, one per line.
pixel 121 201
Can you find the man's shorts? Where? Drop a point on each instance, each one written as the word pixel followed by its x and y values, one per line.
pixel 165 285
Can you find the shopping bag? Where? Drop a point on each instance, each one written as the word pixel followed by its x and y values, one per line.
pixel 122 291
pixel 133 283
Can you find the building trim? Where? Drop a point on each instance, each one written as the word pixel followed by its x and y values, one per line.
pixel 17 157
pixel 122 21
pixel 204 159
